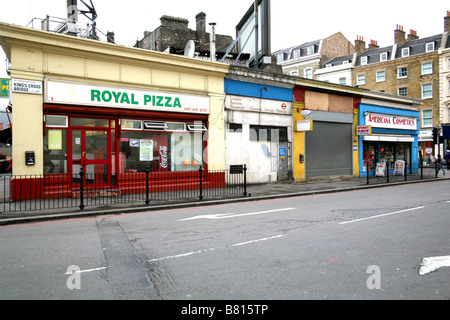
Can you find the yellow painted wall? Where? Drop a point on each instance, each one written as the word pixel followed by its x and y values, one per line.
pixel 299 172
pixel 35 55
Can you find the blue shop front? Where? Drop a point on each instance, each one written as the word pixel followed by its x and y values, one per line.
pixel 392 141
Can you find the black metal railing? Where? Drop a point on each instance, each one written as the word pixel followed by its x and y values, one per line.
pixel 140 187
pixel 386 172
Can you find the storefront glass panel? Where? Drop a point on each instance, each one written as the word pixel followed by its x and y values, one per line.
pixel 160 151
pixel 55 151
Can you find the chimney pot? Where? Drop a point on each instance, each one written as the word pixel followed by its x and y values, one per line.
pixel 399 35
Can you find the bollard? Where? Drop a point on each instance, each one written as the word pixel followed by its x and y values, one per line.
pixel 245 180
pixel 387 171
pixel 147 198
pixel 200 170
pixel 406 170
pixel 81 188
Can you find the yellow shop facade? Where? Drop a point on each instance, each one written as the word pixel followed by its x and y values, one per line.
pixel 105 109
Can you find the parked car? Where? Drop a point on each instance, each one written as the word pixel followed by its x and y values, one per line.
pixel 6 166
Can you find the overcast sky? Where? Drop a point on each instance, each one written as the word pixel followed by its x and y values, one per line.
pixel 293 21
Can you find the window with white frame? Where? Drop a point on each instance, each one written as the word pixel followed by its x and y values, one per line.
pixel 294 73
pixel 280 57
pixel 427 118
pixel 405 52
pixel 427 68
pixel 343 81
pixel 427 90
pixel 381 76
pixel 402 72
pixel 296 53
pixel 308 73
pixel 310 50
pixel 361 79
pixel 402 91
pixel 363 61
pixel 429 46
pixel 383 56
pixel 328 65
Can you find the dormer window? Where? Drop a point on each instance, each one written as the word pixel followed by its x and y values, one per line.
pixel 296 54
pixel 383 56
pixel 429 46
pixel 363 61
pixel 280 57
pixel 405 52
pixel 310 50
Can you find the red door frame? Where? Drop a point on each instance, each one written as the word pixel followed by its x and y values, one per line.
pixel 83 161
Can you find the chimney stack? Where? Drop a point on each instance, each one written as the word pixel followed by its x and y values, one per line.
pixel 373 45
pixel 412 35
pixel 201 28
pixel 360 45
pixel 110 37
pixel 447 22
pixel 399 35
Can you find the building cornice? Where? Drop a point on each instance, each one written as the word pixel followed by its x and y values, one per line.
pixel 53 42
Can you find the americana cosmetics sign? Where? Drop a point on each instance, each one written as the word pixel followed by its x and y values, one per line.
pixel 117 97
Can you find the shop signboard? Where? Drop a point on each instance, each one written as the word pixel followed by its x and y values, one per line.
pixel 381 169
pixel 4 88
pixel 390 121
pixel 399 167
pixel 238 103
pixel 118 97
pixel 304 125
pixel 363 130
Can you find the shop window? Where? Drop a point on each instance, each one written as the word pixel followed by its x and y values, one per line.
pixel 55 151
pixel 235 127
pixel 198 127
pixel 155 125
pixel 56 121
pixel 132 124
pixel 85 122
pixel 267 133
pixel 176 126
pixel 171 150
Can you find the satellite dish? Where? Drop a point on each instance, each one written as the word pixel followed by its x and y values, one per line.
pixel 189 50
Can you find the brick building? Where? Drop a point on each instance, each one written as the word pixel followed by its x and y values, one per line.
pixel 409 67
pixel 173 34
pixel 303 60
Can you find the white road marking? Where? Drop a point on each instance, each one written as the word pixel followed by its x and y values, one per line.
pixel 213 249
pixel 382 215
pixel 431 264
pixel 87 270
pixel 233 215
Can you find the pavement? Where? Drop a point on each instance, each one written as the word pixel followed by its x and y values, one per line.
pixel 254 193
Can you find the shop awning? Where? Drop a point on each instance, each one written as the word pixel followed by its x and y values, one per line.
pixel 389 138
